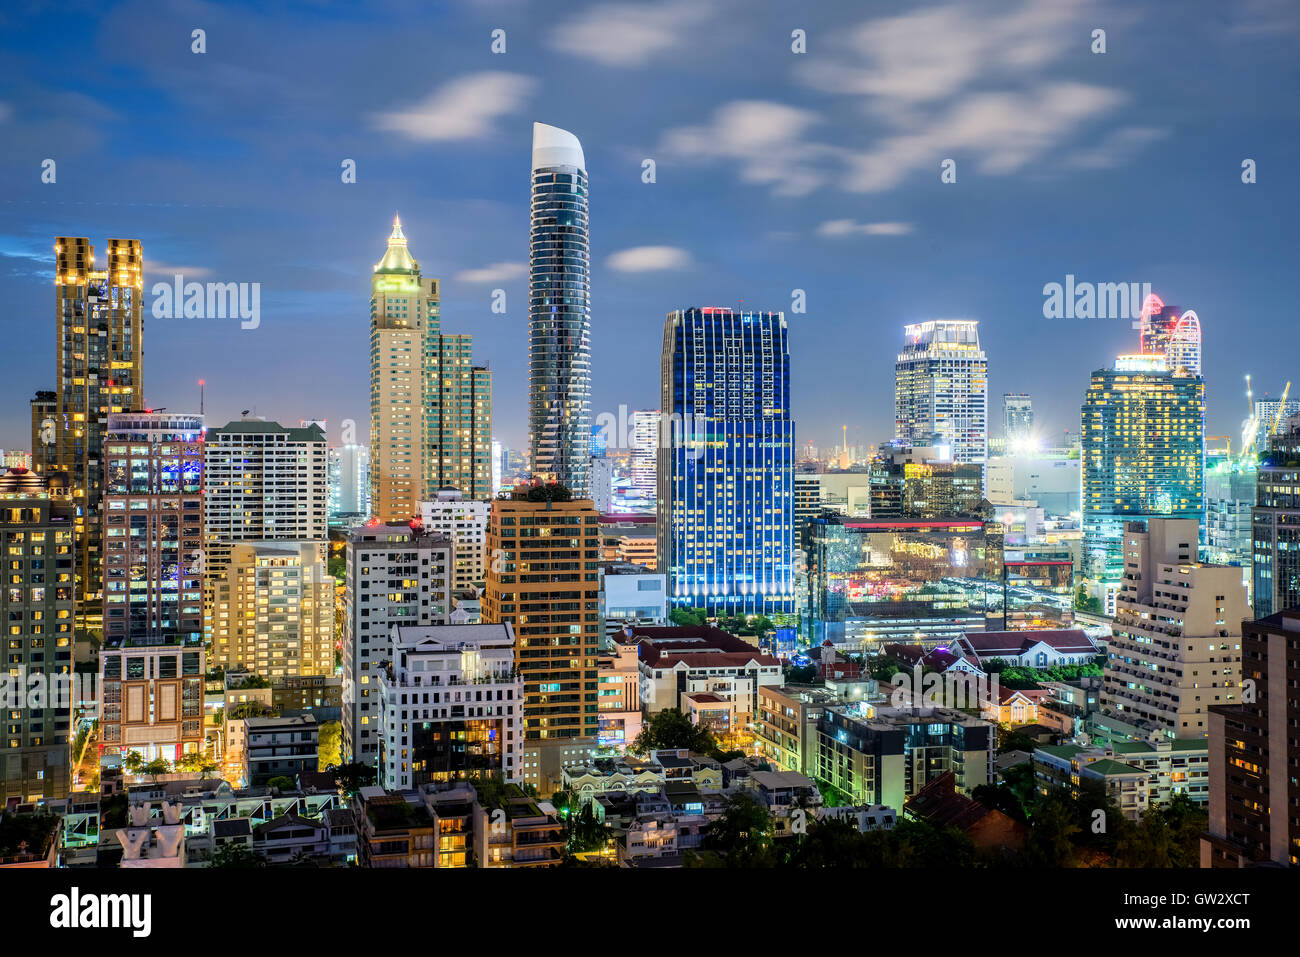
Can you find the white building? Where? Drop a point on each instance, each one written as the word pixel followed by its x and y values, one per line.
pixel 349 482
pixel 1176 646
pixel 645 453
pixel 630 593
pixel 451 704
pixel 941 388
pixel 465 522
pixel 602 484
pixel 395 575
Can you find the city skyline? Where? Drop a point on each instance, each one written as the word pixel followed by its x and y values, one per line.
pixel 722 219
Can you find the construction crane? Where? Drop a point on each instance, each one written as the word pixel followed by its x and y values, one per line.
pixel 1250 428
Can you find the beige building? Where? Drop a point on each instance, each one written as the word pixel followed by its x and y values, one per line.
pixel 430 406
pixel 273 610
pixel 1176 646
pixel 544 578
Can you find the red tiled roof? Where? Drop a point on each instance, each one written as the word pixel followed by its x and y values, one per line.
pixel 712 659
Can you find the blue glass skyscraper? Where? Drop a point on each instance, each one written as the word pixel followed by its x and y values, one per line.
pixel 726 479
pixel 559 312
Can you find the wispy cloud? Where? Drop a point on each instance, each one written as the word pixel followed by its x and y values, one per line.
pixel 466 108
pixel 769 141
pixel 837 228
pixel 628 34
pixel 649 259
pixel 497 272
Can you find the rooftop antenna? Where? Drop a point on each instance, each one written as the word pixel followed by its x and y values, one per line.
pixel 201 385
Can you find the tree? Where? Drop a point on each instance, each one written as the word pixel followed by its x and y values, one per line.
pixel 281 783
pixel 800 674
pixel 1016 741
pixel 156 767
pixel 329 752
pixel 132 762
pixel 686 617
pixel 670 729
pixel 234 855
pixel 196 761
pixel 351 778
pixel 743 835
pixel 761 626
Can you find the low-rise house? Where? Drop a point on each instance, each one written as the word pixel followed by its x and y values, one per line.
pixel 939 804
pixel 1029 649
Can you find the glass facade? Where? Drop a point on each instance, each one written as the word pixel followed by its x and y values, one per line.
pixel 726 483
pixel 1143 450
pixel 559 312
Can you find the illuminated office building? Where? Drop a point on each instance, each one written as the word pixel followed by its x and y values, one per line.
pixel 941 389
pixel 644 457
pixel 37 517
pixel 544 579
pixel 153 526
pixel 349 484
pixel 99 370
pixel 1275 529
pixel 1172 332
pixel 1018 416
pixel 726 479
pixel 430 406
pixel 559 312
pixel 1143 455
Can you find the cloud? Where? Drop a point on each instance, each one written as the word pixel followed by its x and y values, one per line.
pixel 466 108
pixel 157 271
pixel 769 141
pixel 979 84
pixel 649 259
pixel 497 272
pixel 1118 147
pixel 628 34
pixel 836 228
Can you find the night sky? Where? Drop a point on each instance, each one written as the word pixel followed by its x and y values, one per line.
pixel 775 171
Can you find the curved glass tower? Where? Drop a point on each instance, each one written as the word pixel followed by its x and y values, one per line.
pixel 559 312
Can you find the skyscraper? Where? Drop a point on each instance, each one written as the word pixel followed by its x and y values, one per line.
pixel 153 526
pixel 1018 416
pixel 726 481
pixel 430 406
pixel 1176 647
pixel 349 483
pixel 1143 451
pixel 645 451
pixel 1275 525
pixel 559 312
pixel 99 370
pixel 941 388
pixel 1174 333
pixel 37 521
pixel 543 578
pixel 263 482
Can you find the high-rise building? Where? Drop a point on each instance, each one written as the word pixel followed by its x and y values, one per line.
pixel 45 407
pixel 465 522
pixel 1276 524
pixel 396 575
pixel 37 519
pixel 273 611
pixel 1270 417
pixel 498 466
pixel 151 697
pixel 1254 763
pixel 1175 650
pixel 153 526
pixel 1143 455
pixel 349 484
pixel 559 312
pixel 602 484
pixel 1017 416
pixel 1174 333
pixel 544 579
pixel 1230 494
pixel 645 453
pixel 917 483
pixel 451 704
pixel 99 369
pixel 263 482
pixel 430 406
pixel 941 389
pixel 726 478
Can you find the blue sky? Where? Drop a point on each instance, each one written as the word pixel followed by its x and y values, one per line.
pixel 775 171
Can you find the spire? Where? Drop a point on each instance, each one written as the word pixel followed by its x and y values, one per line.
pixel 398 258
